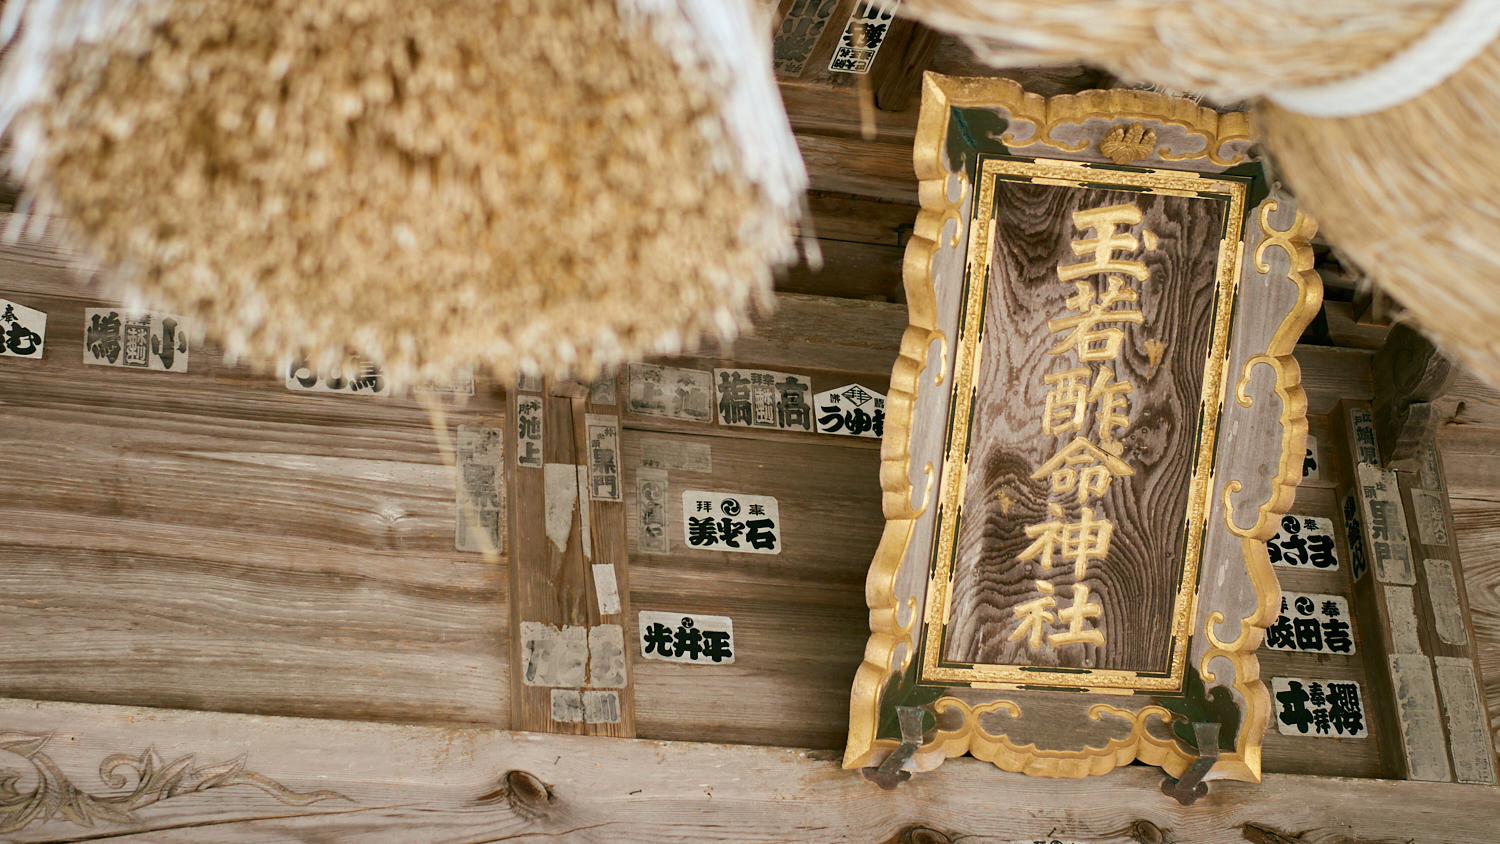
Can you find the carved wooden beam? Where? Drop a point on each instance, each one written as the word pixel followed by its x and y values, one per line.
pixel 897 74
pixel 1409 375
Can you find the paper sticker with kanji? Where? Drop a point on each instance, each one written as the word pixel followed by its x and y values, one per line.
pixel 135 340
pixel 23 330
pixel 355 376
pixel 1326 708
pixel 1304 542
pixel 1314 623
pixel 529 431
pixel 671 393
pixel 718 521
pixel 760 398
pixel 852 411
pixel 685 637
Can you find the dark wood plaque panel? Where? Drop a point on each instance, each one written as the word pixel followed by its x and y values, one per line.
pixel 1161 360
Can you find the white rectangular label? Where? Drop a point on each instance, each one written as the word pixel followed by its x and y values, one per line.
pixel 1324 708
pixel 1417 710
pixel 481 473
pixel 1432 522
pixel 1442 591
pixel 1304 542
pixel 1400 610
pixel 529 431
pixel 1363 427
pixel 606 588
pixel 851 411
pixel 1467 726
pixel 676 455
pixel 672 393
pixel 761 398
pixel 551 656
pixel 460 383
pixel 680 637
pixel 601 707
pixel 651 511
pixel 607 656
pixel 604 456
pixel 722 521
pixel 1311 465
pixel 1385 525
pixel 151 341
pixel 23 331
pixel 567 705
pixel 1314 623
pixel 1354 534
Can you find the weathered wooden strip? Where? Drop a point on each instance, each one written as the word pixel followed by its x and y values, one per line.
pixel 334 782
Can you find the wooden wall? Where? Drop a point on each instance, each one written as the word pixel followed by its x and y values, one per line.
pixel 213 541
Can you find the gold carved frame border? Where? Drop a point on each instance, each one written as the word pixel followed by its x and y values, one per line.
pixel 943 194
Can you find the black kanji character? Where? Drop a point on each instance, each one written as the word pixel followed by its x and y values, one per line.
pixel 857 421
pixel 1336 636
pixel 104 337
pixel 1281 635
pixel 757 509
pixel 1294 707
pixel 832 421
pixel 729 530
pixel 370 379
pixel 1382 520
pixel 1309 464
pixel 1320 720
pixel 658 638
pixel 879 423
pixel 734 398
pixel 1331 609
pixel 704 531
pixel 1320 551
pixel 794 409
pixel 169 343
pixel 1344 709
pixel 20 339
pixel 1309 634
pixel 689 640
pixel 716 645
pixel 760 536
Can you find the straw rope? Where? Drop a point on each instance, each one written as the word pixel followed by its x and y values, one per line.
pixel 1410 194
pixel 543 185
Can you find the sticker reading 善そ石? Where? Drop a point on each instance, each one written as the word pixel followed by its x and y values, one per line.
pixel 1304 542
pixel 1331 708
pixel 23 330
pixel 679 637
pixel 853 411
pixel 717 521
pixel 150 341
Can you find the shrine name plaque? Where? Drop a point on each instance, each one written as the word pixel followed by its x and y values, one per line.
pixel 1094 425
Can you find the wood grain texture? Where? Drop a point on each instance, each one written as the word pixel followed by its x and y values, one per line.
pixel 1136 584
pixel 468 786
pixel 212 540
pixel 799 618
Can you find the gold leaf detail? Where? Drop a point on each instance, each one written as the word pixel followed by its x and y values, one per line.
pixel 1127 143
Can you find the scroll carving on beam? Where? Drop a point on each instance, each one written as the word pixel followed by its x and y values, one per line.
pixel 1094 425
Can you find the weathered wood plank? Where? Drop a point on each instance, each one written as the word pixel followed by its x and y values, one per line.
pixel 413 785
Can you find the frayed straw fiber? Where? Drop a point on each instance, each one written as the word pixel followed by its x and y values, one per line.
pixel 544 185
pixel 1410 194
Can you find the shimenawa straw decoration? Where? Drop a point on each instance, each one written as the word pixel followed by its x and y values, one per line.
pixel 536 185
pixel 1397 155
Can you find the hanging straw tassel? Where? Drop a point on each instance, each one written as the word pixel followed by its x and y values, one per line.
pixel 1397 155
pixel 549 186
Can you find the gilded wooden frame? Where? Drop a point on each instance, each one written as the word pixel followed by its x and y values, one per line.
pixel 1077 127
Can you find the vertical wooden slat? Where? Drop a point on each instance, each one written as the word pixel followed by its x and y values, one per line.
pixel 552 585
